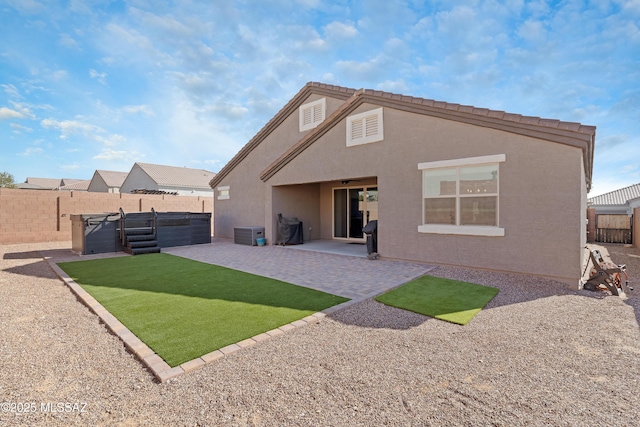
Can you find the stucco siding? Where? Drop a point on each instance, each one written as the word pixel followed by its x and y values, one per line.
pixel 326 202
pixel 248 204
pixel 98 185
pixel 300 201
pixel 137 179
pixel 542 192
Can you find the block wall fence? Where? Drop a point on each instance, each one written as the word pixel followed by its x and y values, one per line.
pixel 33 216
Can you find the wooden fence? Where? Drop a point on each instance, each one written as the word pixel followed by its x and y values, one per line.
pixel 614 228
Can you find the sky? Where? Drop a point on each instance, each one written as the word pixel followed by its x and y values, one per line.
pixel 102 84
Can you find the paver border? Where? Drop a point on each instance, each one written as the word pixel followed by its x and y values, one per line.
pixel 158 367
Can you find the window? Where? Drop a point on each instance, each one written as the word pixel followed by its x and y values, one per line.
pixel 312 114
pixel 461 196
pixel 365 128
pixel 223 193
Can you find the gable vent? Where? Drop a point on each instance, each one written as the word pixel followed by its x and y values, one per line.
pixel 312 114
pixel 365 127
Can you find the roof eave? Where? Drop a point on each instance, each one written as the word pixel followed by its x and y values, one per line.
pixel 288 109
pixel 583 139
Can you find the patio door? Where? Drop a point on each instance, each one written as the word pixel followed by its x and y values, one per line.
pixel 353 208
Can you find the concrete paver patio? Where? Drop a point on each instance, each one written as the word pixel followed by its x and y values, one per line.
pixel 352 277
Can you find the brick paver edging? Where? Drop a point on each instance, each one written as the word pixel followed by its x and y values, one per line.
pixel 160 369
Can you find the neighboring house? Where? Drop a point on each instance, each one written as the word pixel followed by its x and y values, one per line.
pixel 106 181
pixel 75 185
pixel 64 182
pixel 621 201
pixel 41 183
pixel 158 179
pixel 611 215
pixel 53 184
pixel 449 184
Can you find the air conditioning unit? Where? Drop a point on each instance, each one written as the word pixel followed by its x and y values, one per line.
pixel 247 235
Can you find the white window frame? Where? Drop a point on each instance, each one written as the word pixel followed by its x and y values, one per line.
pixel 469 230
pixel 223 193
pixel 374 117
pixel 317 111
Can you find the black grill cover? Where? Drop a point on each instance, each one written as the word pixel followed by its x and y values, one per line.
pixel 289 231
pixel 371 230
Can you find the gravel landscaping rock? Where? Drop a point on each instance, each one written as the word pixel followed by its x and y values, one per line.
pixel 539 354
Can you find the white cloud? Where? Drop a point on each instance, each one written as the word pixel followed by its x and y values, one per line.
pixel 228 111
pixel 70 167
pixel 452 21
pixel 302 38
pixel 27 6
pixel 309 3
pixel 369 71
pixel 68 41
pixel 58 75
pixel 397 86
pixel 111 140
pixel 139 109
pixel 89 131
pixel 632 6
pixel 118 155
pixel 18 128
pixel 532 31
pixel 339 30
pixel 70 127
pixel 7 113
pixel 11 90
pixel 167 25
pixel 100 77
pixel 129 45
pixel 31 151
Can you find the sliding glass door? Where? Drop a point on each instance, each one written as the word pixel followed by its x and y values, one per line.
pixel 353 208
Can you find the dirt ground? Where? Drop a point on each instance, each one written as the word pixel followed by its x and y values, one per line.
pixel 539 354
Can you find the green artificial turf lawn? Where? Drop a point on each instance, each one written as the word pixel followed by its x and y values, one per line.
pixel 444 299
pixel 183 309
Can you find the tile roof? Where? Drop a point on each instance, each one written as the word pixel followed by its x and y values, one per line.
pixel 484 112
pixel 28 186
pixel 570 133
pixel 174 176
pixel 76 185
pixel 617 197
pixel 112 178
pixel 69 181
pixel 47 183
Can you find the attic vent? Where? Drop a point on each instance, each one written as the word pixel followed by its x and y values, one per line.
pixel 312 114
pixel 365 127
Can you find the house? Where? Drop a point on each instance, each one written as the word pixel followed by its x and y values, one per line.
pixel 611 215
pixel 75 185
pixel 32 183
pixel 161 179
pixel 107 181
pixel 449 184
pixel 621 201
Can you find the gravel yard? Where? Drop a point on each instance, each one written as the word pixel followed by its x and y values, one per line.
pixel 538 354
